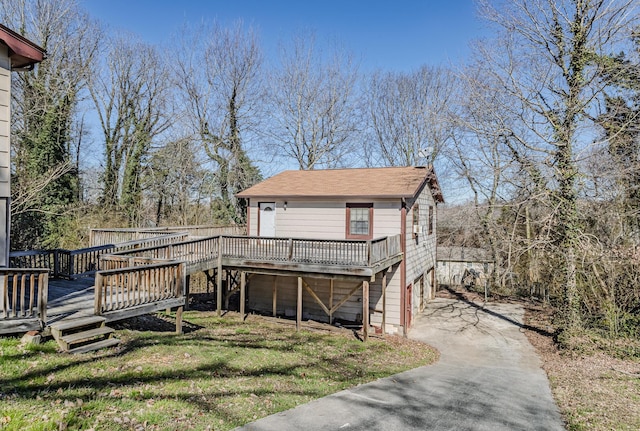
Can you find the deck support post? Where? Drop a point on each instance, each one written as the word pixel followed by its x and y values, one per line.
pixel 331 301
pixel 179 320
pixel 275 295
pixel 299 305
pixel 4 295
pixel 384 302
pixel 97 308
pixel 243 286
pixel 365 310
pixel 187 288
pixel 181 288
pixel 219 279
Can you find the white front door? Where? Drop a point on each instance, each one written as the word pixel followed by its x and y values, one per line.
pixel 267 222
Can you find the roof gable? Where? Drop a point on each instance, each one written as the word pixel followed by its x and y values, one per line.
pixel 22 52
pixel 394 182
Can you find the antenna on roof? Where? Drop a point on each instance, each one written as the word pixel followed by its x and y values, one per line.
pixel 425 153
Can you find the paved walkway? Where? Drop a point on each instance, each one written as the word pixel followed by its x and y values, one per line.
pixel 488 378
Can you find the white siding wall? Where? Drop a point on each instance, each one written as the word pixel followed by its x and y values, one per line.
pixel 5 122
pixel 421 248
pixel 5 152
pixel 324 219
pixel 386 218
pixel 252 218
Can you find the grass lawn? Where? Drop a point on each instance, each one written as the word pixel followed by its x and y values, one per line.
pixel 220 374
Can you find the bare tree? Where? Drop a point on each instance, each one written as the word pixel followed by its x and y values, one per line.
pixel 178 184
pixel 219 83
pixel 45 105
pixel 131 99
pixel 409 116
pixel 544 63
pixel 313 104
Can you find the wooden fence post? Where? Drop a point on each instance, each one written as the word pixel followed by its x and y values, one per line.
pixel 43 295
pixel 56 264
pixel 384 302
pixel 243 286
pixel 179 293
pixel 219 279
pixel 299 305
pixel 290 249
pixel 71 265
pixel 97 308
pixel 275 295
pixel 365 310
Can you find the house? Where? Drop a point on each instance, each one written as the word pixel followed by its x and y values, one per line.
pixel 368 206
pixel 455 262
pixel 16 53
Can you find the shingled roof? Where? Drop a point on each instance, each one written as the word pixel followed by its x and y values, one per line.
pixel 395 182
pixel 22 52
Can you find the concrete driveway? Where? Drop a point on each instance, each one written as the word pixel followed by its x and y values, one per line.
pixel 488 378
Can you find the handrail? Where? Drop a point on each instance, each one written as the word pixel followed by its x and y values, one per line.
pixel 34 259
pixel 159 239
pixel 145 275
pixel 23 293
pixel 83 262
pixel 122 288
pixel 100 236
pixel 277 249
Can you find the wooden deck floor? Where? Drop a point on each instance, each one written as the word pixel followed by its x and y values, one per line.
pixel 70 298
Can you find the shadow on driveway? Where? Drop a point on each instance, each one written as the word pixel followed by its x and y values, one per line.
pixel 488 378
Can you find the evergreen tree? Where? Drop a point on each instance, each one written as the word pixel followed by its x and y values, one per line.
pixel 45 182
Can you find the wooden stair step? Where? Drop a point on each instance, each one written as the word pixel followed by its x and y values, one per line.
pixel 81 337
pixel 68 324
pixel 102 344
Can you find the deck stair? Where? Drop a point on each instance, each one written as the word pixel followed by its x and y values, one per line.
pixel 83 334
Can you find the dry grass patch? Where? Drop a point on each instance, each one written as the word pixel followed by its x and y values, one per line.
pixel 220 374
pixel 594 389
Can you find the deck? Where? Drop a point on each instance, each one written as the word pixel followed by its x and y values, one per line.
pixel 70 298
pixel 152 274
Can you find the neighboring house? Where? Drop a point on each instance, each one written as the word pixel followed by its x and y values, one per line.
pixel 349 204
pixel 16 53
pixel 456 262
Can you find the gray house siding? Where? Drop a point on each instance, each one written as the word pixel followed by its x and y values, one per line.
pixel 421 249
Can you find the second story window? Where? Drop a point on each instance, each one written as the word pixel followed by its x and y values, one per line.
pixel 359 221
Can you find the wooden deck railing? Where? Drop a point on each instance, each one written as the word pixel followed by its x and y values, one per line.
pixel 328 252
pixel 297 250
pixel 24 293
pixel 152 241
pixel 116 236
pixel 42 259
pixel 312 251
pixel 120 289
pixel 110 261
pixel 83 262
pixel 191 251
pixel 77 263
pixel 383 248
pixel 99 237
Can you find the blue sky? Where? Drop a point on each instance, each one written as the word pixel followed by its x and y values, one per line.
pixel 398 35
